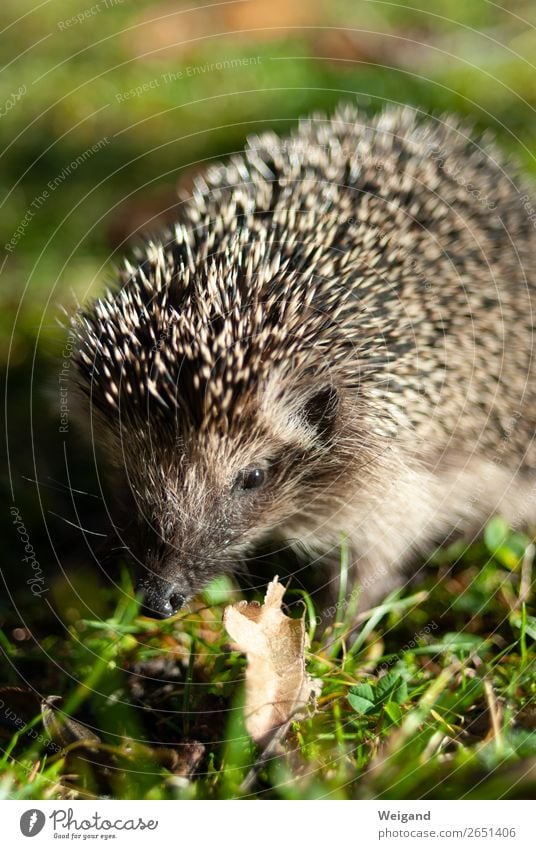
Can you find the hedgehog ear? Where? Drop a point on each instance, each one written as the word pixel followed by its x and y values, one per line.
pixel 320 410
pixel 300 413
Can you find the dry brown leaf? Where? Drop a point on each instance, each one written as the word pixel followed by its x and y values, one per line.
pixel 63 730
pixel 278 687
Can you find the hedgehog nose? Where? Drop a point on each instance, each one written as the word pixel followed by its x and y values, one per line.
pixel 161 602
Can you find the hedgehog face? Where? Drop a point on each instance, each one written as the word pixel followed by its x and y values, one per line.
pixel 204 503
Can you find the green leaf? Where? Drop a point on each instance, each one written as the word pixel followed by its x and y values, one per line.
pixel 496 534
pixel 512 552
pixel 387 685
pixel 393 711
pixel 400 695
pixel 460 641
pixel 361 698
pixel 364 690
pixel 528 624
pixel 218 591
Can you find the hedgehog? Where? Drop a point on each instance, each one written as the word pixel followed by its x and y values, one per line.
pixel 333 342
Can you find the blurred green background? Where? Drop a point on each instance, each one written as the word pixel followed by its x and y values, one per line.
pixel 142 79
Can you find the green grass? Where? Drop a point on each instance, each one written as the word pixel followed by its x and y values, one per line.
pixel 434 699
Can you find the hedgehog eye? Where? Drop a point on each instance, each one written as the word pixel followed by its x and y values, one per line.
pixel 250 479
